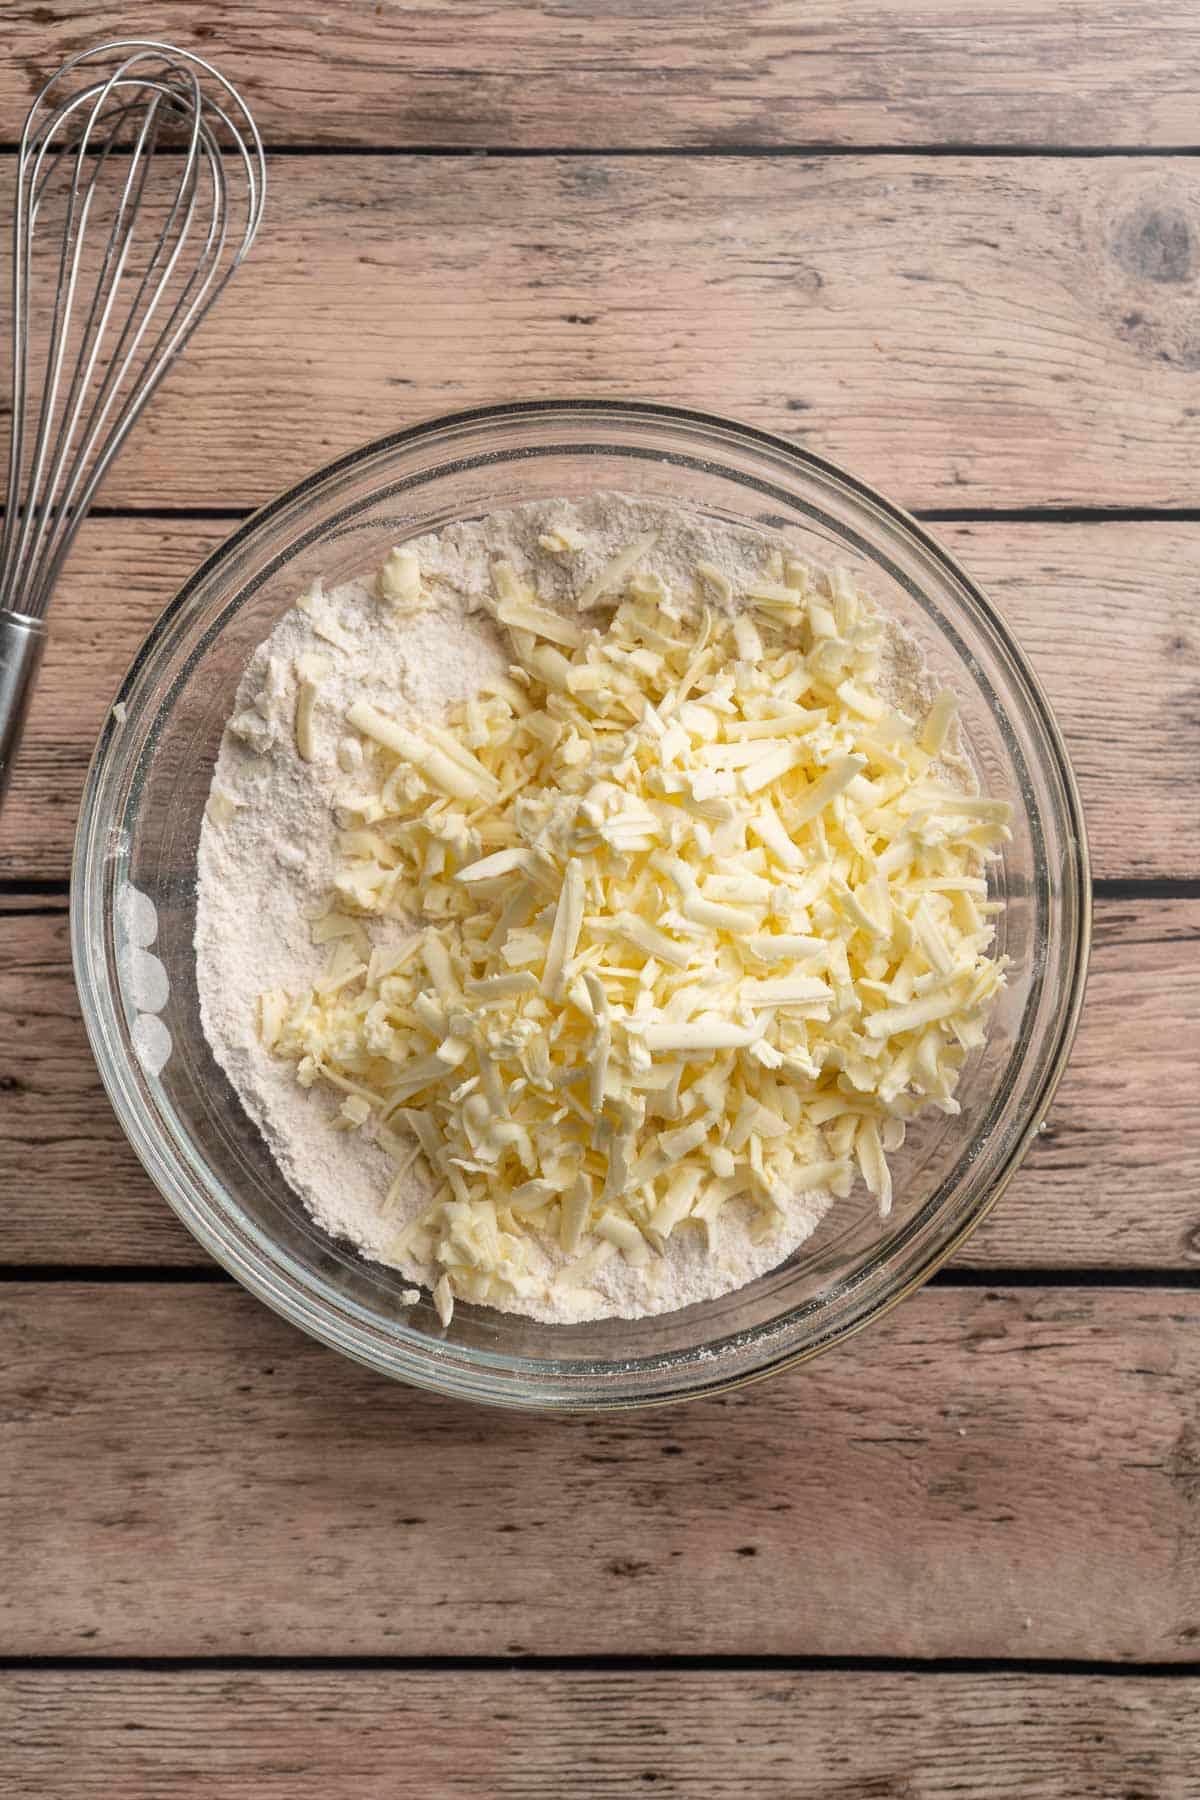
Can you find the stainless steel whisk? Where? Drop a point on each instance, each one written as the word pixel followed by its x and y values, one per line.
pixel 162 151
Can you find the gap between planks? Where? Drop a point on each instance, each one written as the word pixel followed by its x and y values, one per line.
pixel 1083 1668
pixel 700 152
pixel 28 896
pixel 926 515
pixel 996 1276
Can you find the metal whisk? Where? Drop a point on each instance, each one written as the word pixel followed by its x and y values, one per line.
pixel 138 195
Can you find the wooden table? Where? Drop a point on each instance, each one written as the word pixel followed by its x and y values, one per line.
pixel 954 244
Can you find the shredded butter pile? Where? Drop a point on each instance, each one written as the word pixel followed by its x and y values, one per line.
pixel 698 925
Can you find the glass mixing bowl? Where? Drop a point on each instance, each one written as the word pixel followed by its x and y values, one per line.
pixel 133 904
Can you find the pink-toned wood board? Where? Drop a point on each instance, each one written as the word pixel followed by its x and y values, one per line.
pixel 595 1735
pixel 984 1473
pixel 1004 333
pixel 605 73
pixel 1099 608
pixel 1112 1181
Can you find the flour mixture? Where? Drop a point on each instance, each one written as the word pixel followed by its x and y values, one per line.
pixel 587 901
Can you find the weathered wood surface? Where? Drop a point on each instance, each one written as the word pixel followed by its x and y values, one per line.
pixel 658 72
pixel 1112 1182
pixel 981 1474
pixel 534 1735
pixel 1102 610
pixel 1000 332
pixel 1010 1474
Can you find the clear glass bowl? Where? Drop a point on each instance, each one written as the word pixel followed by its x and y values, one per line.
pixel 139 828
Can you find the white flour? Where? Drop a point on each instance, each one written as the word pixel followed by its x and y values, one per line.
pixel 265 870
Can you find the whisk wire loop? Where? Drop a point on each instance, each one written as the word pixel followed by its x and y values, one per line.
pixel 116 319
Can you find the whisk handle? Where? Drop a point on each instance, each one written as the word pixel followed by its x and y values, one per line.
pixel 22 640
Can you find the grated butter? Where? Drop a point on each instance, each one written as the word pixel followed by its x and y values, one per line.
pixel 692 921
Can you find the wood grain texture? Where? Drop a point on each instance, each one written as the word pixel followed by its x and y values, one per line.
pixel 661 72
pixel 533 1735
pixel 985 1474
pixel 1101 610
pixel 980 1474
pixel 1112 1182
pixel 960 331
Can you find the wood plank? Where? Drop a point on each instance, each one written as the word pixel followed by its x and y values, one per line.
pixel 599 72
pixel 1001 332
pixel 1101 609
pixel 324 1734
pixel 1112 1182
pixel 981 1474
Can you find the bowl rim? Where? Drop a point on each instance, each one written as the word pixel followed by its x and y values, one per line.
pixel 273 1285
